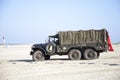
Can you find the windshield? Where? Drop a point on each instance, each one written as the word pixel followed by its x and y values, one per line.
pixel 53 39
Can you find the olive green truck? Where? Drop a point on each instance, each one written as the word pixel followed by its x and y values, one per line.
pixel 81 44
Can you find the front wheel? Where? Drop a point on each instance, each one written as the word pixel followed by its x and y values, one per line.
pixel 74 54
pixel 90 54
pixel 38 56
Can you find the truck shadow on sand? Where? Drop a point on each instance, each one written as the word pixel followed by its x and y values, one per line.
pixel 60 61
pixel 20 60
pixel 30 61
pixel 111 64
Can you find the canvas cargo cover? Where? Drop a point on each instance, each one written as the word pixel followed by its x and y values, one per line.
pixel 83 36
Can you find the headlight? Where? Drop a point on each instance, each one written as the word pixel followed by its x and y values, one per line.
pixel 32 47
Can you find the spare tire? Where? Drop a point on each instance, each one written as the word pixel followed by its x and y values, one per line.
pixel 50 48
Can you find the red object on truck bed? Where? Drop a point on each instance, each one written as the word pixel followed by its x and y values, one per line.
pixel 110 48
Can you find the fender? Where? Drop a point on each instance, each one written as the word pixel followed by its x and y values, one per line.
pixel 39 47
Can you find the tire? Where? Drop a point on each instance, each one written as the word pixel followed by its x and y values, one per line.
pixel 74 54
pixel 47 57
pixel 38 56
pixel 50 48
pixel 90 54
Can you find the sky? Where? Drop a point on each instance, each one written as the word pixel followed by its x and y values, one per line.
pixel 32 21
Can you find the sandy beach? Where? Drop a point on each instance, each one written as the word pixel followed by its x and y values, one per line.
pixel 17 64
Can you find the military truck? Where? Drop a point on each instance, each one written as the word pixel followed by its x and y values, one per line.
pixel 81 44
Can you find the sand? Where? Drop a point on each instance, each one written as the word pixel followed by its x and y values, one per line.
pixel 17 64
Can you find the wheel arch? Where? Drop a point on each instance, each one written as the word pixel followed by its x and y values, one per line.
pixel 73 48
pixel 84 48
pixel 41 49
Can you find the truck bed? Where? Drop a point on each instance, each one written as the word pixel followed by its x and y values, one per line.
pixel 83 36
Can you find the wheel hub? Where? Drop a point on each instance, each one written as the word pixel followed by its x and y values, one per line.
pixel 75 55
pixel 90 55
pixel 38 56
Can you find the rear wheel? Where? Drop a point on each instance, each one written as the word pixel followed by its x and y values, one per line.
pixel 90 54
pixel 74 54
pixel 38 56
